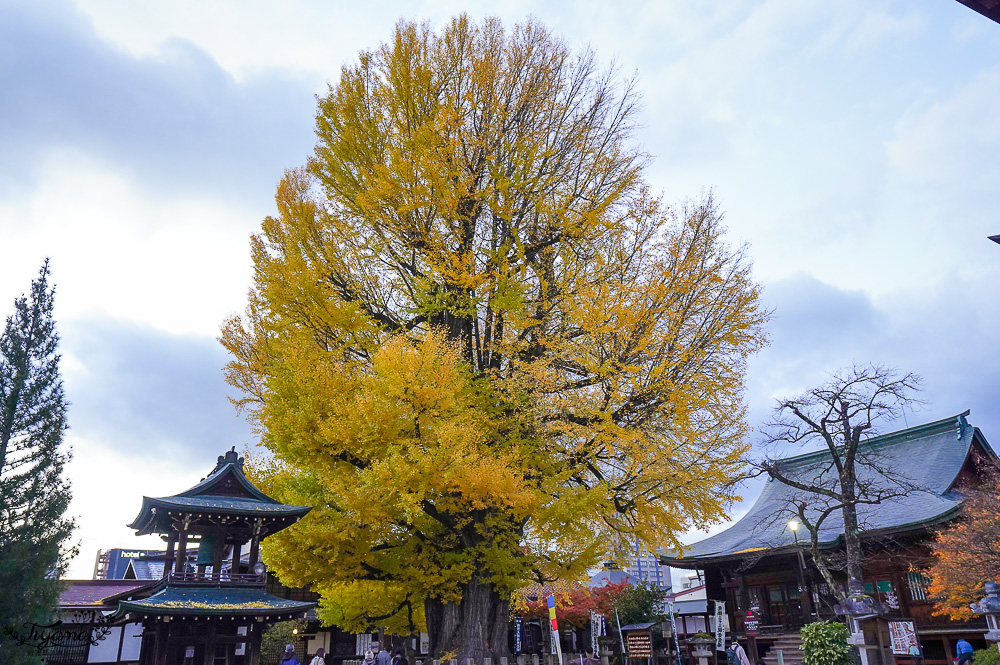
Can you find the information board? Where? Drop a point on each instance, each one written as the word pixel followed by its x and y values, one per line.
pixel 639 643
pixel 751 623
pixel 904 638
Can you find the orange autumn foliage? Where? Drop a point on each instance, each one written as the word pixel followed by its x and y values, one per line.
pixel 967 553
pixel 574 604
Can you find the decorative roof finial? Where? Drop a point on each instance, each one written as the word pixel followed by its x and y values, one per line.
pixel 231 457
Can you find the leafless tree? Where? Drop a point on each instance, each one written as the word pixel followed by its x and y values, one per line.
pixel 836 418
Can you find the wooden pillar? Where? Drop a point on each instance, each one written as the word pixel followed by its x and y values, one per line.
pixel 169 563
pixel 209 658
pixel 220 546
pixel 230 653
pixel 160 644
pixel 237 546
pixel 254 630
pixel 181 549
pixel 255 545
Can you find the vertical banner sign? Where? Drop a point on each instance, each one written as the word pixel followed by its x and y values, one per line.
pixel 555 626
pixel 720 625
pixel 751 622
pixel 595 631
pixel 518 627
pixel 673 629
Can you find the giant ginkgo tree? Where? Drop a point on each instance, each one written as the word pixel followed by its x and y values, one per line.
pixel 478 344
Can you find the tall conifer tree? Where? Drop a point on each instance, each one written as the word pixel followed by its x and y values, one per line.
pixel 34 495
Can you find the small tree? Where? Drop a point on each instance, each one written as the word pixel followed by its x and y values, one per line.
pixel 34 495
pixel 839 415
pixel 967 552
pixel 825 643
pixel 987 656
pixel 634 603
pixel 275 638
pixel 573 604
pixel 639 603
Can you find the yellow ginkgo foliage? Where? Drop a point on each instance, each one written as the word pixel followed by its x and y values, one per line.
pixel 478 345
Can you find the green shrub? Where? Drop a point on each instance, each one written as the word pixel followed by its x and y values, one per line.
pixel 987 656
pixel 825 643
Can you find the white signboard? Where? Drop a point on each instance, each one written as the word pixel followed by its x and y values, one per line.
pixel 595 631
pixel 720 625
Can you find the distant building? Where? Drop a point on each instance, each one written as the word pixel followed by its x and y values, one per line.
pixel 611 576
pixel 646 567
pixel 85 634
pixel 113 564
pixel 988 8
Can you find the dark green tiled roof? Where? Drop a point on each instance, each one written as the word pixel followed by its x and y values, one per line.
pixel 225 491
pixel 227 505
pixel 214 601
pixel 929 456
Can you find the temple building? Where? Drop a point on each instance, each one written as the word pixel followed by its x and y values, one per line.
pixel 204 612
pixel 771 590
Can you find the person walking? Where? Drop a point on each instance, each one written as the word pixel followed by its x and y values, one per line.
pixel 289 657
pixel 964 652
pixel 369 658
pixel 735 655
pixel 319 659
pixel 381 655
pixel 399 657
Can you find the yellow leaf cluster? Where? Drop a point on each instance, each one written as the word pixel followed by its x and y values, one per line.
pixel 476 342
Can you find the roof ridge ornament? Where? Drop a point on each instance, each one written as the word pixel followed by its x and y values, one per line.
pixel 231 457
pixel 962 424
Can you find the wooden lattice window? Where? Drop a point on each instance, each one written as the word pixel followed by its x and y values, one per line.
pixel 918 583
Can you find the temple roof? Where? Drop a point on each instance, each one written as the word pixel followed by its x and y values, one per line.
pixel 224 492
pixel 99 594
pixel 613 576
pixel 929 457
pixel 215 601
pixel 144 569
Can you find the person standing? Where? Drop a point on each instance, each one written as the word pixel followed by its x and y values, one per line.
pixel 399 657
pixel 319 659
pixel 381 655
pixel 735 655
pixel 289 657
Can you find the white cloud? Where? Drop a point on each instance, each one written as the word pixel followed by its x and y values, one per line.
pixel 179 265
pixel 952 140
pixel 107 494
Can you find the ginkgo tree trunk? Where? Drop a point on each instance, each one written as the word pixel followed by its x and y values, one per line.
pixel 478 344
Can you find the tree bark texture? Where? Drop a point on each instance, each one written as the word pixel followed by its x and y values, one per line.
pixel 852 542
pixel 474 628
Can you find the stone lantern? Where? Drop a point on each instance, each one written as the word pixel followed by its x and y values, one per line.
pixel 858 606
pixel 990 607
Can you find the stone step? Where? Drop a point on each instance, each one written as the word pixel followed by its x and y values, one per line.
pixel 791 650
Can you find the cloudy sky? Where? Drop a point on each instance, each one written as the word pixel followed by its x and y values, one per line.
pixel 854 144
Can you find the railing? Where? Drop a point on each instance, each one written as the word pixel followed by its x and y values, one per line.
pixel 207 578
